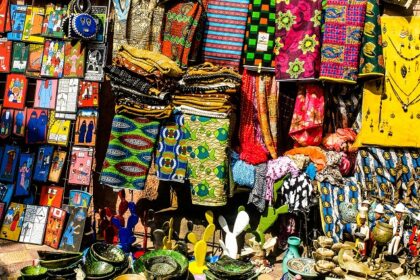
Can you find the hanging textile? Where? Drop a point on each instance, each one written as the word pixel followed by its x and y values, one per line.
pixel 287 100
pixel 297 43
pixel 308 116
pixel 391 111
pixel 207 140
pixel 120 24
pixel 129 153
pixel 344 21
pixel 171 151
pixel 393 174
pixel 225 30
pixel 181 21
pixel 371 58
pixel 296 192
pixel 259 36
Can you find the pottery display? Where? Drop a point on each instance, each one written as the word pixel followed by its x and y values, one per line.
pixel 323 254
pixel 323 242
pixel 382 233
pixel 58 260
pixel 324 267
pixel 348 212
pixel 98 270
pixel 229 268
pixel 302 266
pixel 292 251
pixel 130 277
pixel 107 253
pixel 162 264
pixel 34 272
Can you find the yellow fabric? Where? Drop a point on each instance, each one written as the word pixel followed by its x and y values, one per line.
pixel 384 121
pixel 145 111
pixel 150 61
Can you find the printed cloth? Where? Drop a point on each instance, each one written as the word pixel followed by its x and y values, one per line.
pixel 308 116
pixel 344 21
pixel 287 100
pixel 329 201
pixel 171 152
pixel 390 111
pixel 389 173
pixel 371 58
pixel 260 32
pixel 257 194
pixel 181 21
pixel 297 44
pixel 276 169
pixel 316 154
pixel 207 140
pixel 252 150
pixel 129 153
pixel 225 31
pixel 296 192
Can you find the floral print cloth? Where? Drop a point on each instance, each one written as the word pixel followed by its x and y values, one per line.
pixel 344 21
pixel 207 140
pixel 276 169
pixel 297 43
pixel 306 128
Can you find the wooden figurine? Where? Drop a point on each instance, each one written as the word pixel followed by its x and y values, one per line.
pixel 230 246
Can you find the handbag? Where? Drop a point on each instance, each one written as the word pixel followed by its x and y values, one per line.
pixel 80 24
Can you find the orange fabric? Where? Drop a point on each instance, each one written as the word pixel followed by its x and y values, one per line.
pixel 316 155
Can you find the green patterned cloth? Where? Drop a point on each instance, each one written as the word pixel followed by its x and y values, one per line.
pixel 371 58
pixel 259 37
pixel 129 153
pixel 207 140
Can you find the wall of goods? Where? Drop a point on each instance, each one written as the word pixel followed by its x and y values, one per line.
pixel 293 99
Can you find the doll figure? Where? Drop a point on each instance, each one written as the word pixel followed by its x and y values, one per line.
pixel 398 226
pixel 363 232
pixel 414 241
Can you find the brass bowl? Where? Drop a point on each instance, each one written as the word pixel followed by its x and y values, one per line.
pixel 323 242
pixel 382 233
pixel 323 254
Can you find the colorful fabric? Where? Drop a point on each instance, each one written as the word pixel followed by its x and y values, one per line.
pixel 225 31
pixel 273 111
pixel 308 116
pixel 287 100
pixel 260 31
pixel 371 58
pixel 296 192
pixel 171 152
pixel 207 140
pixel 257 194
pixel 251 149
pixel 297 44
pixel 390 111
pixel 340 141
pixel 129 153
pixel 344 21
pixel 276 169
pixel 329 201
pixel 392 173
pixel 263 91
pixel 181 23
pixel 316 154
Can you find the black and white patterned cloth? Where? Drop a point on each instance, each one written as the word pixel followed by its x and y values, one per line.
pixel 296 192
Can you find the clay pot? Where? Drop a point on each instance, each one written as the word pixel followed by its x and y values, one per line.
pixel 348 212
pixel 382 233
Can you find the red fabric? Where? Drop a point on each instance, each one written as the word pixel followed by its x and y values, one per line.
pixel 413 248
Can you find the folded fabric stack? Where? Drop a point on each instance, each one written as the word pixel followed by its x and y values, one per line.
pixel 141 82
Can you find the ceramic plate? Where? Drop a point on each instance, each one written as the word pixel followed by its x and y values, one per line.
pixel 302 266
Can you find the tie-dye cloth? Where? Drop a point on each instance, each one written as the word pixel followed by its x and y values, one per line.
pixel 344 21
pixel 207 140
pixel 297 43
pixel 129 153
pixel 171 152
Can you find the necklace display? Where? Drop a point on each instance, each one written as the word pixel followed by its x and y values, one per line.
pixel 409 103
pixel 402 46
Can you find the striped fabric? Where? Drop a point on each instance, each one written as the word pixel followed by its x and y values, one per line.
pixel 225 31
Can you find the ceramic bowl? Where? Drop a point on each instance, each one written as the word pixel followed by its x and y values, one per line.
pixel 228 267
pixel 323 242
pixel 98 269
pixel 324 267
pixel 130 277
pixel 302 266
pixel 325 254
pixel 149 263
pixel 348 212
pixel 34 272
pixel 58 260
pixel 382 233
pixel 107 253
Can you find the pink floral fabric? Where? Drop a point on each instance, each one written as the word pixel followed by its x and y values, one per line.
pixel 308 116
pixel 297 40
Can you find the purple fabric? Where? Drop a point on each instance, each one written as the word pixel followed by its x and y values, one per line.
pixel 276 169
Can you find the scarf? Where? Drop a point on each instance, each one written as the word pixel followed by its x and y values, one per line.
pixel 257 195
pixel 341 40
pixel 129 153
pixel 371 58
pixel 182 19
pixel 259 36
pixel 298 39
pixel 224 34
pixel 276 169
pixel 316 154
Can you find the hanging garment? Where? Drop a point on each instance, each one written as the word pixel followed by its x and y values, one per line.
pixel 297 43
pixel 391 110
pixel 225 31
pixel 257 195
pixel 296 192
pixel 260 32
pixel 181 21
pixel 276 169
pixel 371 58
pixel 129 153
pixel 308 116
pixel 171 152
pixel 120 24
pixel 316 154
pixel 207 140
pixel 287 100
pixel 344 21
pixel 389 173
